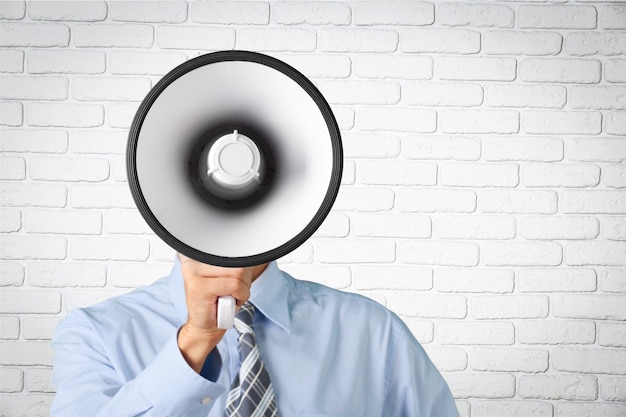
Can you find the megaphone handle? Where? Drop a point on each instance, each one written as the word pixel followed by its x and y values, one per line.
pixel 225 312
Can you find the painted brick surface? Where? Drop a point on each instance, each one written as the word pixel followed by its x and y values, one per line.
pixel 483 196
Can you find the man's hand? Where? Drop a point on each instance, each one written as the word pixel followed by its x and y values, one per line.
pixel 204 284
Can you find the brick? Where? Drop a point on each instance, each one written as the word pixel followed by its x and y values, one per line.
pixel 421 329
pixel 407 67
pixel 397 119
pixel 413 304
pixel 357 40
pixel 10 220
pixel 39 380
pixel 32 195
pixel 57 274
pixel 593 202
pixel 132 275
pixel 596 149
pixel 612 16
pixel 596 97
pixel 311 13
pixel 530 148
pixel 25 353
pixel 12 168
pixel 21 405
pixel 556 332
pixel 501 42
pixel 481 385
pixel 509 360
pixel 556 280
pixel 499 408
pixel 120 115
pixel 9 327
pixel 91 11
pixel 557 17
pixel 517 201
pixel 581 409
pixel 595 43
pixel 392 278
pixel 447 359
pixel 364 199
pixel 11 380
pixel 33 140
pixel 390 225
pixel 559 228
pixel 412 13
pixel 113 35
pixel 472 14
pixel 99 142
pixel 474 280
pixel 57 168
pixel 353 250
pixel 13 10
pixel 335 225
pixel 30 301
pixel 612 334
pixel 66 62
pixel 360 92
pixel 43 35
pixel 508 306
pixel 62 222
pixel 33 88
pixel 539 96
pixel 478 175
pixel 64 115
pixel 397 173
pixel 438 253
pixel 320 65
pixel 444 41
pixel 613 389
pixel 243 13
pixel 601 361
pixel 348 175
pixel 613 228
pixel 521 254
pixel 454 147
pixel 476 68
pixel 195 37
pixel 109 249
pixel 615 70
pixel 11 274
pixel 110 88
pixel 344 116
pixel 125 222
pixel 33 247
pixel 560 175
pixel 558 387
pixel 598 307
pixel 615 123
pixel 101 196
pixel 479 121
pixel 370 145
pixel 463 332
pixel 442 94
pixel 11 60
pixel 39 327
pixel 596 253
pixel 118 170
pixel 553 70
pixel 474 227
pixel 614 281
pixel 436 200
pixel 277 39
pixel 149 11
pixel 144 63
pixel 562 122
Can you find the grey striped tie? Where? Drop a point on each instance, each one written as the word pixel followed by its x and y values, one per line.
pixel 251 394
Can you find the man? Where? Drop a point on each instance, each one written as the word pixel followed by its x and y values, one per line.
pixel 157 351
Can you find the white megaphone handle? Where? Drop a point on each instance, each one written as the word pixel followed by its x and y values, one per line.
pixel 225 312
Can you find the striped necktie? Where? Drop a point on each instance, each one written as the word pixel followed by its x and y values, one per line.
pixel 251 394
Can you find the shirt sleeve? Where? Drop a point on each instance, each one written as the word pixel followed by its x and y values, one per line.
pixel 88 383
pixel 414 386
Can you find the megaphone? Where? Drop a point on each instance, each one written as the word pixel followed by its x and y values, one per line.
pixel 234 159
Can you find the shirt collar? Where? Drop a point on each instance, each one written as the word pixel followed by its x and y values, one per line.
pixel 268 294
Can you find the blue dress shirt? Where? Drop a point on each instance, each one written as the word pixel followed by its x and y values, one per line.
pixel 328 353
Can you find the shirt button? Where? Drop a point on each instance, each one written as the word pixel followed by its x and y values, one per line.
pixel 206 400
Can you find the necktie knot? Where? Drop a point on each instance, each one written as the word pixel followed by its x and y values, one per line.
pixel 244 319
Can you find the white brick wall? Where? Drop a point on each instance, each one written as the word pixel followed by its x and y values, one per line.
pixel 483 198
